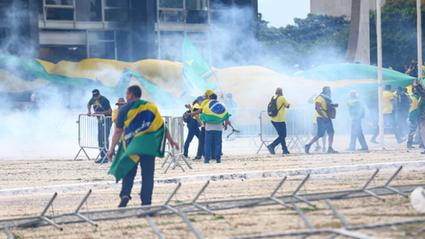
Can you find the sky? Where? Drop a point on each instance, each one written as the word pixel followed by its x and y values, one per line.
pixel 280 13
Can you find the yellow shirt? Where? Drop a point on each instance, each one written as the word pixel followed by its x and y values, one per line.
pixel 281 103
pixel 323 105
pixel 115 114
pixel 387 102
pixel 414 104
pixel 205 104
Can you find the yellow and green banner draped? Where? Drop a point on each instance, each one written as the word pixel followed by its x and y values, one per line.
pixel 214 113
pixel 196 71
pixel 144 134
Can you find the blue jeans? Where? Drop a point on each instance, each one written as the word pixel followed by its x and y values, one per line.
pixel 357 134
pixel 193 127
pixel 281 139
pixel 147 164
pixel 213 143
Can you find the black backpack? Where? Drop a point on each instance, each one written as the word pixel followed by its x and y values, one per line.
pixel 187 116
pixel 272 109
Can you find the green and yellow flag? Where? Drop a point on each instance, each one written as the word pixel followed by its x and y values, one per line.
pixel 144 133
pixel 214 112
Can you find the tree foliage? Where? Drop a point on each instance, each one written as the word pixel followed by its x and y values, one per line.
pixel 310 41
pixel 398 33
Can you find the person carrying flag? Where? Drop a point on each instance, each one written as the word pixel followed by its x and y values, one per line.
pixel 325 112
pixel 215 117
pixel 141 134
pixel 193 123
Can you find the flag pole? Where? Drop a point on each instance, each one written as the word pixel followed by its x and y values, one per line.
pixel 380 80
pixel 419 38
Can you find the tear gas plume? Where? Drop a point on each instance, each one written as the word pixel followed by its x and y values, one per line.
pixel 46 128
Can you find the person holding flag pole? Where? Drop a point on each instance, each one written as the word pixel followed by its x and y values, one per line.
pixel 141 135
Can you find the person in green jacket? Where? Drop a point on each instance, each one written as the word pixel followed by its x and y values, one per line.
pixel 357 113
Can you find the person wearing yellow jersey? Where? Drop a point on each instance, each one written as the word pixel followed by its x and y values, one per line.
pixel 413 117
pixel 192 123
pixel 388 102
pixel 203 104
pixel 119 104
pixel 324 114
pixel 279 123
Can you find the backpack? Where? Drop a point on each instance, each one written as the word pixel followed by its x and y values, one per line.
pixel 186 116
pixel 272 109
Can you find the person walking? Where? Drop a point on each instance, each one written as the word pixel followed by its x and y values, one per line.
pixel 193 124
pixel 102 108
pixel 413 117
pixel 141 134
pixel 216 118
pixel 280 104
pixel 403 101
pixel 357 113
pixel 325 112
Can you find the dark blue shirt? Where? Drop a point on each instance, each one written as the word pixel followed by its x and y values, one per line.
pixel 100 105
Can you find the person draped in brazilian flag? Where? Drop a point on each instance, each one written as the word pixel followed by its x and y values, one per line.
pixel 141 134
pixel 215 117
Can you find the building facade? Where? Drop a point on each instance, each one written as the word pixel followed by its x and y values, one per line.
pixel 123 30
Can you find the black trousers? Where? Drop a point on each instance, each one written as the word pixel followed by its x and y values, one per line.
pixel 147 164
pixel 281 139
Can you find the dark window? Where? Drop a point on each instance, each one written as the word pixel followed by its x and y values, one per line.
pixel 116 15
pixel 89 10
pixel 60 14
pixel 219 4
pixel 171 3
pixel 60 2
pixel 102 50
pixel 117 3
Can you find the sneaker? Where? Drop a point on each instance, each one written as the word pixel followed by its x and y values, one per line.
pixel 307 148
pixel 124 201
pixel 198 158
pixel 271 150
pixel 285 152
pixel 332 151
pixel 364 150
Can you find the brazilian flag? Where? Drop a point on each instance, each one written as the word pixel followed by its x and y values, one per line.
pixel 214 112
pixel 144 133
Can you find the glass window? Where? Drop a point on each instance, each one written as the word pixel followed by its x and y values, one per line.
pixel 171 16
pixel 102 50
pixel 89 10
pixel 217 4
pixel 117 3
pixel 197 4
pixel 60 2
pixel 116 15
pixel 171 3
pixel 60 14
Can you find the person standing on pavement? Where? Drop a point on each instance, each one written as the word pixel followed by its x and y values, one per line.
pixel 101 107
pixel 278 122
pixel 357 113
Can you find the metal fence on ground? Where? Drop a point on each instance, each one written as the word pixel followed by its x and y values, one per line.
pixel 298 130
pixel 175 127
pixel 291 201
pixel 93 133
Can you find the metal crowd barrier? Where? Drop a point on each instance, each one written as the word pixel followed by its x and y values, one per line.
pixel 298 131
pixel 175 126
pixel 93 133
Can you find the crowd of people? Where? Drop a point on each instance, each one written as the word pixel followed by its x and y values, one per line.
pixel 206 118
